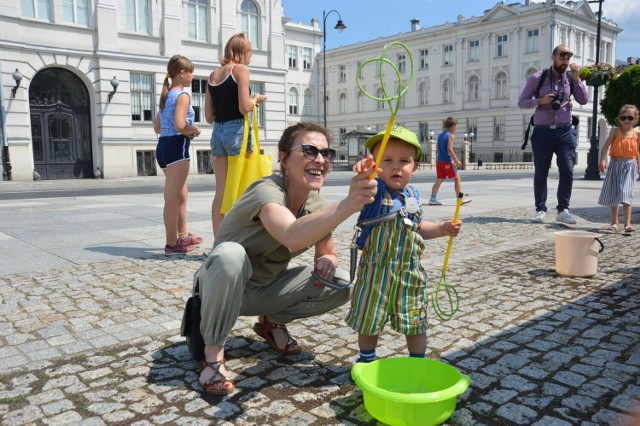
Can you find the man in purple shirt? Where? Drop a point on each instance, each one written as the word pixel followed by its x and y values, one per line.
pixel 553 132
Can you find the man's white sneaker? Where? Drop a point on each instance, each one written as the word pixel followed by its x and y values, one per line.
pixel 539 217
pixel 565 217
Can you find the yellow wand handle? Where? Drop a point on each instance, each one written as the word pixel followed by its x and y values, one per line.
pixel 385 139
pixel 455 219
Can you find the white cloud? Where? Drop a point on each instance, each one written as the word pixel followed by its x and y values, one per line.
pixel 619 10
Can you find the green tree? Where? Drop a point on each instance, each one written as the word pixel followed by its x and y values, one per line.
pixel 625 89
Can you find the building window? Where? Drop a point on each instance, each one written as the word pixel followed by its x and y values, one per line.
pixel 203 156
pixel 342 73
pixel 402 62
pixel 498 128
pixel 306 58
pixel 447 91
pixel 501 86
pixel 380 95
pixel 141 98
pixel 137 16
pixel 533 37
pixel 592 48
pixel 360 102
pixel 423 93
pixel 37 9
pixel 257 87
pixel 75 12
pixel 342 103
pixel 578 51
pixel 501 45
pixel 359 70
pixel 498 157
pixel 474 50
pixel 293 101
pixel 198 93
pixel 197 19
pixel 342 131
pixel 146 163
pixel 447 54
pixel 474 88
pixel 423 131
pixel 563 36
pixel 472 127
pixel 249 22
pixel 529 73
pixel 424 59
pixel 398 90
pixel 306 106
pixel 292 53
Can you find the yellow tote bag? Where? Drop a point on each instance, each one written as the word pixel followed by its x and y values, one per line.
pixel 243 171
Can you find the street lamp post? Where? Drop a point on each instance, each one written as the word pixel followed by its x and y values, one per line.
pixel 591 172
pixel 471 157
pixel 464 157
pixel 339 26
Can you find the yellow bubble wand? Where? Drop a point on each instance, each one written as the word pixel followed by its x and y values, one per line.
pixel 387 98
pixel 442 284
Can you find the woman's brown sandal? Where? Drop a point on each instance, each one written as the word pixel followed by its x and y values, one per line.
pixel 218 384
pixel 264 330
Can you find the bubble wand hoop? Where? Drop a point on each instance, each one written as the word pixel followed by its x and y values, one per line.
pixel 387 98
pixel 443 284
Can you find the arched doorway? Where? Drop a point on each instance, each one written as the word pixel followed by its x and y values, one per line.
pixel 60 125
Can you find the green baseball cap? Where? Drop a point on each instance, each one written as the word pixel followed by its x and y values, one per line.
pixel 397 132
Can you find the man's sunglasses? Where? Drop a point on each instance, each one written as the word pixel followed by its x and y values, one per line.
pixel 626 118
pixel 565 54
pixel 311 152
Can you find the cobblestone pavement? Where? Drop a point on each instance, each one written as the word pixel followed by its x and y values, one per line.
pixel 99 343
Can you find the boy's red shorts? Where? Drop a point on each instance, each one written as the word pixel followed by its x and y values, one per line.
pixel 446 169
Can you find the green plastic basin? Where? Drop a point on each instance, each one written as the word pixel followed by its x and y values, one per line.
pixel 409 391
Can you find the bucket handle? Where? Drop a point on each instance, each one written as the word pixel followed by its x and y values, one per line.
pixel 601 245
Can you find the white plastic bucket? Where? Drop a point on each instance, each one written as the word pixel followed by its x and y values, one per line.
pixel 577 253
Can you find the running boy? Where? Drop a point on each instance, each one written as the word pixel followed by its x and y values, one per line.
pixel 392 284
pixel 447 162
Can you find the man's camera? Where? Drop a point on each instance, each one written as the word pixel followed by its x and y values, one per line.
pixel 557 101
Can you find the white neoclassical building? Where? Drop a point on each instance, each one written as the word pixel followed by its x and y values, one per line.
pixel 80 79
pixel 474 69
pixel 92 71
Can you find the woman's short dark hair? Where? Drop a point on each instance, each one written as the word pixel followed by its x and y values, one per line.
pixel 291 133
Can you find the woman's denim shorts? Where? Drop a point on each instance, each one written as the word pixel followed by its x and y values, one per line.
pixel 226 139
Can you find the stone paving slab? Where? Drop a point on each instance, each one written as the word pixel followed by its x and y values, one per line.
pixel 99 344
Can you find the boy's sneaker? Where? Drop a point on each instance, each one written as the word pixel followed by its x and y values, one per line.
pixel 466 199
pixel 434 202
pixel 539 216
pixel 193 240
pixel 179 248
pixel 565 217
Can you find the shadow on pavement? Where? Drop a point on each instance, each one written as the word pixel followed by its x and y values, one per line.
pixel 146 253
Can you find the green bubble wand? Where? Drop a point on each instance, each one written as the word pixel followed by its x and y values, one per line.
pixel 387 97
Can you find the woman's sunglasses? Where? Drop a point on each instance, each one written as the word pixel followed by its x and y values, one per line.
pixel 626 118
pixel 311 152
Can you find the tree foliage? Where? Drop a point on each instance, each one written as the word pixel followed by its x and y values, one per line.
pixel 625 89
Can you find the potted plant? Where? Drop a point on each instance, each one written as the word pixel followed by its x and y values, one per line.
pixel 597 74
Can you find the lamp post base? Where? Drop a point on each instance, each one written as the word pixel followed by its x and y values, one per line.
pixel 592 172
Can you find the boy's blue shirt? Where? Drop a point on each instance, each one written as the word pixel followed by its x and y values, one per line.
pixel 376 208
pixel 443 147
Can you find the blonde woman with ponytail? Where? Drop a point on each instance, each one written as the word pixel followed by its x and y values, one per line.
pixel 174 124
pixel 226 103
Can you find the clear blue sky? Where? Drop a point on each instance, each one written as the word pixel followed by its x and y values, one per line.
pixel 370 19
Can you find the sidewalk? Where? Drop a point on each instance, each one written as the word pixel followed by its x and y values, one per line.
pixel 90 310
